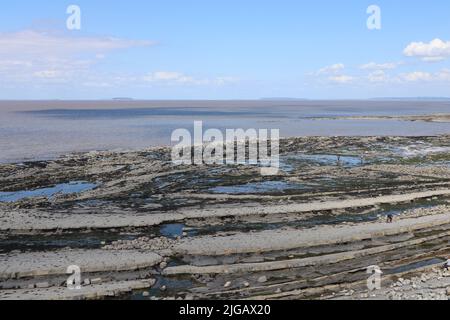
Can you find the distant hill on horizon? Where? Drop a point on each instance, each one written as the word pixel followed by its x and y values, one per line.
pixel 413 98
pixel 123 99
pixel 283 99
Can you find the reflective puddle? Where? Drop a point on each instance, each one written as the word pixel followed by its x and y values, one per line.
pixel 327 159
pixel 64 188
pixel 172 230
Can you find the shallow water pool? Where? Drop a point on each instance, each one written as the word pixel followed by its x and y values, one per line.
pixel 49 192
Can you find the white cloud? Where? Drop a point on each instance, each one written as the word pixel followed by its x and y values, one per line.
pixel 332 73
pixel 47 74
pixel 335 68
pixel 94 84
pixel 377 76
pixel 5 64
pixel 379 66
pixel 40 58
pixel 178 78
pixel 443 75
pixel 33 43
pixel 417 76
pixel 46 57
pixel 169 76
pixel 222 81
pixel 436 50
pixel 341 79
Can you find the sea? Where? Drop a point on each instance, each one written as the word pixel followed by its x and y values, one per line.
pixel 43 130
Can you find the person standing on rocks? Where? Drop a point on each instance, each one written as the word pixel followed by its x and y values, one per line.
pixel 447 265
pixel 390 218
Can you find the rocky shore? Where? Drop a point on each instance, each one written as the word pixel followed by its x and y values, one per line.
pixel 425 118
pixel 139 227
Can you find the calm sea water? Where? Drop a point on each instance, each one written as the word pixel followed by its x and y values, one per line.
pixel 47 129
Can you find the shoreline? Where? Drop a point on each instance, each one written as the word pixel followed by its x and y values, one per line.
pixel 166 147
pixel 122 127
pixel 437 118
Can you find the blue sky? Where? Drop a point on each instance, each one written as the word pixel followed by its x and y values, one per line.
pixel 223 49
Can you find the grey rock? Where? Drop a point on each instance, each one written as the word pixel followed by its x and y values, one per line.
pixel 42 285
pixel 262 279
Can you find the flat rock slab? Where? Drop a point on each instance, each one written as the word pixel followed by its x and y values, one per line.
pixel 287 239
pixel 33 264
pixel 110 289
pixel 296 263
pixel 35 220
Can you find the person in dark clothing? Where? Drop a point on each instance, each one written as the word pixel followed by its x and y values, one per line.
pixel 447 265
pixel 390 218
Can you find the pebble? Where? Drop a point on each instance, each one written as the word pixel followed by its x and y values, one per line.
pixel 262 279
pixel 227 285
pixel 42 285
pixel 144 243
